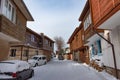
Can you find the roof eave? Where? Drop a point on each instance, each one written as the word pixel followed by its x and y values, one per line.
pixel 21 5
pixel 85 9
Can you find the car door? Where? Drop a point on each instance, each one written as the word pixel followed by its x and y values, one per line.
pixel 43 60
pixel 39 61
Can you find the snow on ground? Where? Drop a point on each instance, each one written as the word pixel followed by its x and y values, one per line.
pixel 103 73
pixel 67 70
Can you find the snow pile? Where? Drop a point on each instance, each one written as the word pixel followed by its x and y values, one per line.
pixel 97 59
pixel 107 76
pixel 102 74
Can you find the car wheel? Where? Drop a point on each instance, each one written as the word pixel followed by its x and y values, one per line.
pixel 36 64
pixel 32 74
pixel 19 78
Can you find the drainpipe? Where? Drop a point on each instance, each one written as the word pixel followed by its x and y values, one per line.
pixel 113 50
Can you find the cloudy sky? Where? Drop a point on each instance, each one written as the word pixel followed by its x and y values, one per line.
pixel 55 17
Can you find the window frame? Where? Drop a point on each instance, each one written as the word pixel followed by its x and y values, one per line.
pixel 26 53
pixel 87 20
pixel 32 38
pixel 13 53
pixel 8 11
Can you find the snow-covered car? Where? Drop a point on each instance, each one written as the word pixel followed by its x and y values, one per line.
pixel 37 60
pixel 15 70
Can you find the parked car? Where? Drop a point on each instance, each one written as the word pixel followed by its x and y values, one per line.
pixel 60 57
pixel 37 60
pixel 15 70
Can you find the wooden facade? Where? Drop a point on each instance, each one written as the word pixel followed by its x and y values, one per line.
pixel 105 15
pixel 102 17
pixel 35 44
pixel 47 46
pixel 103 9
pixel 12 24
pixel 77 48
pixel 20 42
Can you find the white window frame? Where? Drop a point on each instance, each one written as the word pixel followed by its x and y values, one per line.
pixel 6 12
pixel 32 38
pixel 87 21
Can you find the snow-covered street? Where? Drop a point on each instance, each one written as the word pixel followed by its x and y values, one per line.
pixel 66 70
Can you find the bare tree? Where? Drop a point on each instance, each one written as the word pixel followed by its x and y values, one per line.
pixel 59 41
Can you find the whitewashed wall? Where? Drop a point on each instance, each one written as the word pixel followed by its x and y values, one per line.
pixel 107 50
pixel 116 41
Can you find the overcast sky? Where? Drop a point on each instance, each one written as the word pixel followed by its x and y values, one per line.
pixel 55 17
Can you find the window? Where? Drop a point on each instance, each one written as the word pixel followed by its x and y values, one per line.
pixel 32 38
pixel 39 59
pixel 108 36
pixel 99 46
pixel 9 11
pixel 0 6
pixel 13 11
pixel 13 53
pixel 51 44
pixel 46 41
pixel 96 48
pixel 43 58
pixel 87 21
pixel 36 52
pixel 25 53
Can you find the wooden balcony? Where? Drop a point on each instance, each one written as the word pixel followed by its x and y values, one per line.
pixel 10 31
pixel 89 33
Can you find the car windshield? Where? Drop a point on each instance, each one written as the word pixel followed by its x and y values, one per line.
pixel 35 58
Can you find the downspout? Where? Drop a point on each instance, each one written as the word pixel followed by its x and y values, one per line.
pixel 113 51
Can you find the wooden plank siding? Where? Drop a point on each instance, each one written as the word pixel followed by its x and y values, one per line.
pixel 9 28
pixel 88 33
pixel 76 41
pixel 77 47
pixel 17 29
pixel 36 37
pixel 103 9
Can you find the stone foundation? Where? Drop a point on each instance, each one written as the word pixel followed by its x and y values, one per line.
pixel 112 71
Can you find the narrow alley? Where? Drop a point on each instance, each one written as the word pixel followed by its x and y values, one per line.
pixel 66 70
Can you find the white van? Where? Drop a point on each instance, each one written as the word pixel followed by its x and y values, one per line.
pixel 37 60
